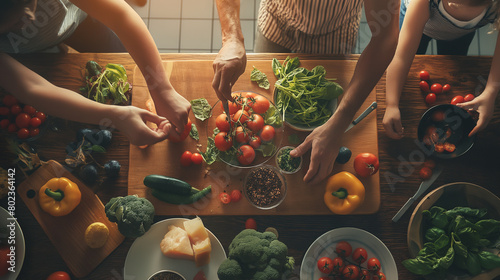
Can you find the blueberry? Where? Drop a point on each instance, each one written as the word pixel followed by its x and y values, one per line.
pixel 112 168
pixel 84 132
pixel 102 138
pixel 89 174
pixel 344 155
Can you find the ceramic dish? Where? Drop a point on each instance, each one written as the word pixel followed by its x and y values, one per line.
pixel 324 246
pixel 20 246
pixel 145 258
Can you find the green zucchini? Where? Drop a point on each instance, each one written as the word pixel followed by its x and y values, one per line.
pixel 180 199
pixel 168 185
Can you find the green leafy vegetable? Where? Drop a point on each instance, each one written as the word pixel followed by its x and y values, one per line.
pixel 201 109
pixel 258 76
pixel 108 85
pixel 211 153
pixel 194 132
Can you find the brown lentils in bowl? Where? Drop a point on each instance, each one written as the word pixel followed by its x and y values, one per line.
pixel 263 186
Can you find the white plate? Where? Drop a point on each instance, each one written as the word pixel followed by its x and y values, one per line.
pixel 20 247
pixel 324 246
pixel 145 257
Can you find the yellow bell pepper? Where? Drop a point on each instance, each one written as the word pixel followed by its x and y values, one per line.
pixel 59 196
pixel 344 193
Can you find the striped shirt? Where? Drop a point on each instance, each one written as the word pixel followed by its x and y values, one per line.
pixel 311 26
pixel 55 21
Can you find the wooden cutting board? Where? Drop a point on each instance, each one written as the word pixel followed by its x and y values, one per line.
pixel 67 232
pixel 193 79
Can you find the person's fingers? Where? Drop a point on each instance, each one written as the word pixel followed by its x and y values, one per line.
pixel 390 131
pixel 226 83
pixel 481 124
pixel 150 117
pixel 313 169
pixel 216 83
pixel 301 149
pixel 471 105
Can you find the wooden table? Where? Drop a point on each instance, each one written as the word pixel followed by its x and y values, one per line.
pixel 480 165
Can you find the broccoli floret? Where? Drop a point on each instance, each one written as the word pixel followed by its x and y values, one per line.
pixel 133 215
pixel 229 270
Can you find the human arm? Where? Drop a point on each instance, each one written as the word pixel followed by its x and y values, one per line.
pixel 31 88
pixel 133 33
pixel 417 15
pixel 231 60
pixel 326 140
pixel 484 104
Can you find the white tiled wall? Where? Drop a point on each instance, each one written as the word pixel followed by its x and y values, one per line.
pixel 192 26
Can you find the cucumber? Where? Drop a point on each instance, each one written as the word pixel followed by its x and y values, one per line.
pixel 168 184
pixel 180 199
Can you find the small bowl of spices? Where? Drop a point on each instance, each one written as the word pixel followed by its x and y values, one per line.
pixel 166 275
pixel 265 187
pixel 286 163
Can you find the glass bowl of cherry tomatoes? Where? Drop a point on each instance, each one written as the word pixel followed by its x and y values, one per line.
pixel 21 121
pixel 250 135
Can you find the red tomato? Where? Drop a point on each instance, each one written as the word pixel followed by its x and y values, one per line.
pixel 16 109
pixel 196 158
pixel 438 116
pixel 324 278
pixel 241 116
pixel 325 265
pixel 4 266
pixel 439 148
pixel 251 223
pixel 436 88
pixel 9 100
pixel 338 264
pixel 469 97
pixel 449 147
pixel 424 86
pixel 425 173
pixel 255 123
pixel 350 272
pixel 222 122
pixel 430 98
pixel 186 158
pixel 59 275
pixel 34 131
pixel 223 142
pixel 23 133
pixel 246 154
pixel 35 122
pixel 232 106
pixel 242 135
pixel 446 88
pixel 249 94
pixel 4 123
pixel 379 276
pixel 23 120
pixel 184 134
pixel 430 163
pixel 343 249
pixel 267 133
pixel 224 197
pixel 41 116
pixel 259 104
pixel 200 276
pixel 457 99
pixel 366 164
pixel 12 127
pixel 235 195
pixel 359 255
pixel 373 265
pixel 4 111
pixel 364 275
pixel 30 110
pixel 255 141
pixel 424 75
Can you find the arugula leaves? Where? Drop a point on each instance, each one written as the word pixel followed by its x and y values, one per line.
pixel 108 85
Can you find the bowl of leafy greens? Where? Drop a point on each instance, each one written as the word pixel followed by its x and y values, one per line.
pixel 305 98
pixel 454 233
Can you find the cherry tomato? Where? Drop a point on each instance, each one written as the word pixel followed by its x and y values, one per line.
pixel 242 135
pixel 255 123
pixel 379 276
pixel 446 88
pixel 425 173
pixel 359 255
pixel 186 158
pixel 35 122
pixel 438 116
pixel 430 163
pixel 436 88
pixel 469 97
pixel 338 264
pixel 184 134
pixel 267 133
pixel 12 127
pixel 457 99
pixel 232 106
pixel 424 75
pixel 424 86
pixel 251 223
pixel 222 122
pixel 430 98
pixel 223 142
pixel 200 276
pixel 241 116
pixel 41 116
pixel 235 195
pixel 23 120
pixel 449 147
pixel 30 110
pixel 4 258
pixel 246 155
pixel 4 123
pixel 373 265
pixel 224 197
pixel 9 100
pixel 325 265
pixel 196 158
pixel 366 164
pixel 439 148
pixel 350 272
pixel 16 109
pixel 34 131
pixel 255 141
pixel 4 111
pixel 59 275
pixel 259 104
pixel 343 249
pixel 364 275
pixel 23 133
pixel 249 94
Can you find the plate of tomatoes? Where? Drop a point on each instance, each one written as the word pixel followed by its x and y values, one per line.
pixel 348 253
pixel 250 135
pixel 21 121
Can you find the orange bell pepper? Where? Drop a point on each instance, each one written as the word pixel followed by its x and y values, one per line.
pixel 59 196
pixel 344 193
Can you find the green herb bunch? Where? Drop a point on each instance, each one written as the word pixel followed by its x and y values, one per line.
pixel 108 85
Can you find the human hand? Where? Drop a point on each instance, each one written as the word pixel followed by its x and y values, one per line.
pixel 392 123
pixel 484 106
pixel 324 144
pixel 228 66
pixel 173 106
